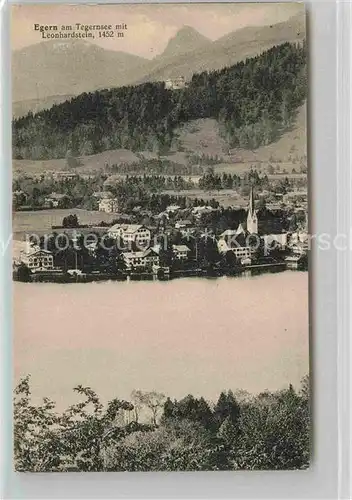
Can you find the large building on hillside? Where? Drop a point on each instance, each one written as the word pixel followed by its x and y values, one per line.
pixel 176 83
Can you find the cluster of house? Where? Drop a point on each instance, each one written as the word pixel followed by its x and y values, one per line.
pixel 139 252
pixel 150 257
pixel 196 212
pixel 296 200
pixel 146 256
pixel 53 200
pixel 106 201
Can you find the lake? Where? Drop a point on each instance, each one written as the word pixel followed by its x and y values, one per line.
pixel 192 335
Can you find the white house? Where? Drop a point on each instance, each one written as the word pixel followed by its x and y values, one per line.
pixel 294 260
pixel 236 241
pixel 182 224
pixel 204 209
pixel 172 209
pixel 181 252
pixel 240 252
pixel 185 226
pixel 141 260
pixel 108 205
pixel 56 200
pixel 38 260
pixel 131 233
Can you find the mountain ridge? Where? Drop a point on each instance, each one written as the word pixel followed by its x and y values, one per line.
pixel 38 76
pixel 186 40
pixel 60 68
pixel 254 101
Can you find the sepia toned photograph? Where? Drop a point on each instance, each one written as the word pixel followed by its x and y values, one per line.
pixel 160 237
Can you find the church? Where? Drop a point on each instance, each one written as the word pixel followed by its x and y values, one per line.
pixel 236 240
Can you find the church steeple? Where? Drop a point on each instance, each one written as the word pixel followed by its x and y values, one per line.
pixel 252 220
pixel 251 202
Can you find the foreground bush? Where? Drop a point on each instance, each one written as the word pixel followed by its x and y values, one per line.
pixel 267 431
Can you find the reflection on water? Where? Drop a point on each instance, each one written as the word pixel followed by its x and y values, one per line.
pixel 191 335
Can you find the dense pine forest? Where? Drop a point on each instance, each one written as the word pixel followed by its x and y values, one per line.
pixel 254 102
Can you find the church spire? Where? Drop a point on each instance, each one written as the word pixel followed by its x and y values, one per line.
pixel 252 220
pixel 251 209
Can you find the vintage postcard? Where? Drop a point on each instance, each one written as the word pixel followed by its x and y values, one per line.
pixel 160 237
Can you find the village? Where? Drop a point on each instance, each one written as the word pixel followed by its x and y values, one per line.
pixel 192 241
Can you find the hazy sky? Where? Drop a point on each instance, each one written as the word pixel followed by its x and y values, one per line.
pixel 149 27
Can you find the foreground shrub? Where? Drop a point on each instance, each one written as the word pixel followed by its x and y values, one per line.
pixel 268 431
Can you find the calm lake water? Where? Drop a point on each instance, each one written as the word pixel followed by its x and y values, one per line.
pixel 194 335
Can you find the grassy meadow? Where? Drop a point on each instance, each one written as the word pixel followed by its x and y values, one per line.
pixel 41 221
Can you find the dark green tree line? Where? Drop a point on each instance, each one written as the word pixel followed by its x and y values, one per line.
pixel 254 101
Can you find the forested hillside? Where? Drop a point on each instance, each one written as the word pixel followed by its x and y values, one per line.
pixel 254 101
